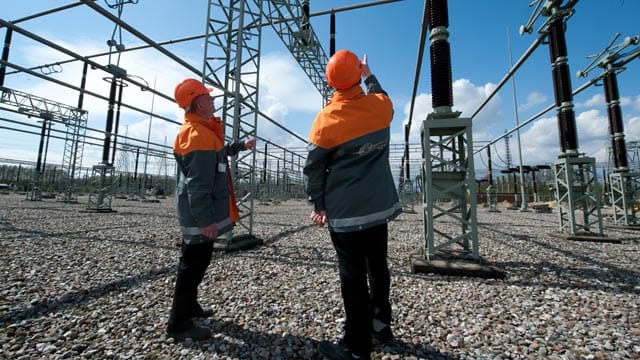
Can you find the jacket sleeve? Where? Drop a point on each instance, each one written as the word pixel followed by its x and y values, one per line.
pixel 199 183
pixel 373 85
pixel 236 147
pixel 315 174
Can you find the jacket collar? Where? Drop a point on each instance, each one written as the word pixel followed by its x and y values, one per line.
pixel 351 93
pixel 213 123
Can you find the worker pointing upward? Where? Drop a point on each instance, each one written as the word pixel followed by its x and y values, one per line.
pixel 350 185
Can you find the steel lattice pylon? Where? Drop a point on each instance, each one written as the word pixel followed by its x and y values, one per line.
pixel 624 191
pixel 449 191
pixel 577 188
pixel 74 119
pixel 288 20
pixel 101 184
pixel 232 63
pixel 232 60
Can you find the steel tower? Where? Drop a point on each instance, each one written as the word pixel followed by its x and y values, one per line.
pixel 575 174
pixel 232 63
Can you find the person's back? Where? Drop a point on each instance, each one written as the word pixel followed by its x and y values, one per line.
pixel 351 134
pixel 350 185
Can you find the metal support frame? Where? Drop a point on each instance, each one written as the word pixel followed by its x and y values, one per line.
pixel 577 188
pixel 35 191
pixel 232 62
pixel 291 24
pixel 232 59
pixel 624 191
pixel 492 198
pixel 449 189
pixel 633 156
pixel 72 155
pixel 101 184
pixel 74 119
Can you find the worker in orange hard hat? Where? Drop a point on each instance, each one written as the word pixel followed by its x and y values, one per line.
pixel 205 202
pixel 351 188
pixel 344 70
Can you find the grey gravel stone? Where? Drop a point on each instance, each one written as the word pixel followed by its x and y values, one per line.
pixel 79 284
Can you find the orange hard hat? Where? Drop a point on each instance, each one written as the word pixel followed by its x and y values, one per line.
pixel 343 70
pixel 189 89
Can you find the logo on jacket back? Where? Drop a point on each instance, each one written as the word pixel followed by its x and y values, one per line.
pixel 369 147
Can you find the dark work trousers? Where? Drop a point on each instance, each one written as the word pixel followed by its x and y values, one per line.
pixel 193 264
pixel 363 254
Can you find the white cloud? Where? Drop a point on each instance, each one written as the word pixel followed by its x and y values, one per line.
pixel 591 124
pixel 533 99
pixel 282 80
pixel 596 101
pixel 636 103
pixel 467 97
pixel 632 129
pixel 421 108
pixel 285 91
pixel 288 97
pixel 541 141
pixel 626 101
pixel 162 72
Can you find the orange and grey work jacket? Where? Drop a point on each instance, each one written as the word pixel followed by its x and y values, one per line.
pixel 203 190
pixel 347 171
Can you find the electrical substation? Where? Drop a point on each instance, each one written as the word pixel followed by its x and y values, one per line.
pixel 448 180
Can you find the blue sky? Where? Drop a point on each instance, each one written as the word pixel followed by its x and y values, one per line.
pixel 389 34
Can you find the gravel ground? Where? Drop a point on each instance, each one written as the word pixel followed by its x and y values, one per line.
pixel 78 284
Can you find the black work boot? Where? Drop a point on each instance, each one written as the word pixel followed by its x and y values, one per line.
pixel 198 312
pixel 339 351
pixel 382 332
pixel 380 329
pixel 189 330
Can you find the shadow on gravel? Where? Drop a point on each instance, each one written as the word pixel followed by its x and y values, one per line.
pixel 71 299
pixel 421 351
pixel 287 233
pixel 588 273
pixel 234 340
pixel 611 280
pixel 74 235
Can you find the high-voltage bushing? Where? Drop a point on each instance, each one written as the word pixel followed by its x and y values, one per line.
pixel 616 127
pixel 440 56
pixel 449 186
pixel 562 88
pixel 35 192
pixel 614 112
pixel 624 184
pixel 101 191
pixel 576 184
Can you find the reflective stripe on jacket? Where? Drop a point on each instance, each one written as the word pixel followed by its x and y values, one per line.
pixel 202 193
pixel 347 170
